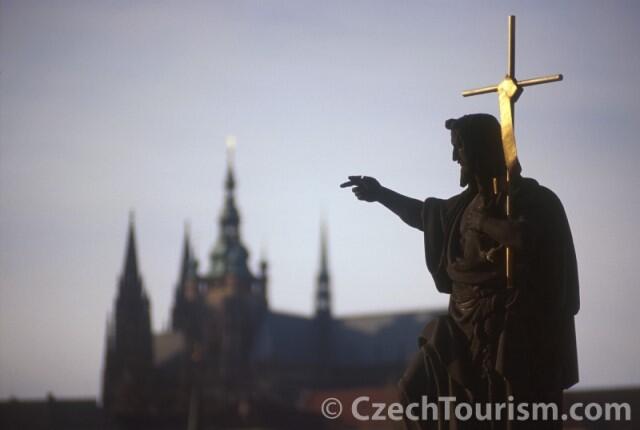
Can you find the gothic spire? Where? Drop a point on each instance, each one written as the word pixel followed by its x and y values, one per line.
pixel 230 183
pixel 263 277
pixel 184 290
pixel 186 256
pixel 323 281
pixel 230 218
pixel 229 255
pixel 130 282
pixel 131 358
pixel 323 273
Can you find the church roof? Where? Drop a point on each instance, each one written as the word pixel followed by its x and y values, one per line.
pixel 292 340
pixel 367 340
pixel 378 339
pixel 285 339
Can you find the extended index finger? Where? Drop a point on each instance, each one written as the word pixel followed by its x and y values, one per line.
pixel 353 180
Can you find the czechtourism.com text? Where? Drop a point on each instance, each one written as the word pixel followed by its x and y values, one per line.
pixel 363 409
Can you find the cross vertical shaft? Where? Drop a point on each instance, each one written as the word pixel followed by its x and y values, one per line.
pixel 511 48
pixel 511 62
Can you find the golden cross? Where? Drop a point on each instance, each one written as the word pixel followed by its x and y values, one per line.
pixel 509 90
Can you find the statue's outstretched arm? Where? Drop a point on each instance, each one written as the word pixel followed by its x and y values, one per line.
pixel 369 189
pixel 407 208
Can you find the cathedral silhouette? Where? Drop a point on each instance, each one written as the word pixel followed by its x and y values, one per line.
pixel 228 360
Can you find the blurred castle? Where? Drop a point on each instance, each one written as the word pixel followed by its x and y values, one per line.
pixel 230 360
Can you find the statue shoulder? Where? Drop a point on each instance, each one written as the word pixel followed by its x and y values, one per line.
pixel 530 190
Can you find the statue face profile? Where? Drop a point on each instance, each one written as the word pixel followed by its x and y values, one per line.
pixel 477 147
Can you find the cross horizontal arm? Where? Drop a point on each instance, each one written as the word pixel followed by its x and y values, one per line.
pixel 478 91
pixel 523 83
pixel 539 80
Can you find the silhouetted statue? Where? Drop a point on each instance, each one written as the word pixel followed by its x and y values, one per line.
pixel 496 341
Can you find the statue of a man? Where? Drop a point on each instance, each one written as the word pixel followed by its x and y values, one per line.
pixel 496 341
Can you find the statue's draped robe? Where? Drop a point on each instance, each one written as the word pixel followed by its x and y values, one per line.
pixel 496 342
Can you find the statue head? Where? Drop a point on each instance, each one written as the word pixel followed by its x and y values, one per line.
pixel 477 147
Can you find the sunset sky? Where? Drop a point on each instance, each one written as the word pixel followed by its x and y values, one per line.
pixel 107 107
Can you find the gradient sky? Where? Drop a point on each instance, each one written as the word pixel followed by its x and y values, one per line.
pixel 109 106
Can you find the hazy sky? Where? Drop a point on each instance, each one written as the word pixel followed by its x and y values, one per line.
pixel 108 106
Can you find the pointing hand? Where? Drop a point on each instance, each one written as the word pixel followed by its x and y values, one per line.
pixel 364 187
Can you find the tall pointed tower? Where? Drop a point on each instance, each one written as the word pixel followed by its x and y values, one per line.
pixel 323 320
pixel 233 304
pixel 228 259
pixel 261 284
pixel 186 291
pixel 323 280
pixel 129 351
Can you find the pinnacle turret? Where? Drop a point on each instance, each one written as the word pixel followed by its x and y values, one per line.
pixel 186 286
pixel 185 261
pixel 323 281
